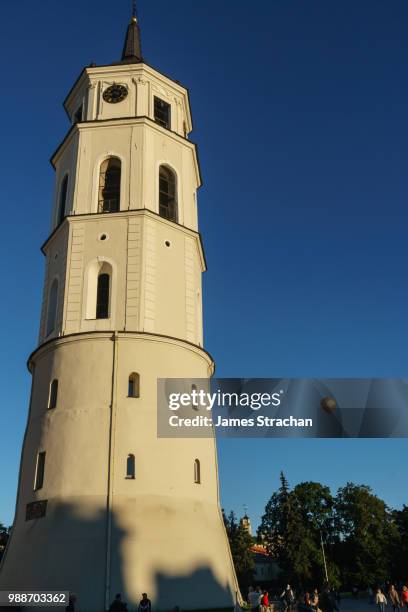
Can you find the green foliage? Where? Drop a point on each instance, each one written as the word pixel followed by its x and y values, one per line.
pixel 240 543
pixel 364 542
pixel 367 535
pixel 286 536
pixel 400 547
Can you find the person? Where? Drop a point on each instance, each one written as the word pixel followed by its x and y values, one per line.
pixel 314 600
pixel 380 600
pixel 394 598
pixel 288 598
pixel 307 603
pixel 327 602
pixel 117 604
pixel 145 604
pixel 71 603
pixel 265 601
pixel 254 598
pixel 308 599
pixel 404 597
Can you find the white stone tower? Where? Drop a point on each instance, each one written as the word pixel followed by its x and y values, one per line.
pixel 103 505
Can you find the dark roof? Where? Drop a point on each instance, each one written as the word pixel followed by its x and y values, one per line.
pixel 132 49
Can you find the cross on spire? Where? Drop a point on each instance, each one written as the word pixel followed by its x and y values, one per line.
pixel 132 49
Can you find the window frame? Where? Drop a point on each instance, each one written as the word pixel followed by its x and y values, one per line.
pixel 168 198
pixel 165 123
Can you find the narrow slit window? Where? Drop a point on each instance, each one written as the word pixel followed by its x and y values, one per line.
pixel 63 200
pixel 162 113
pixel 130 467
pixel 167 194
pixel 109 186
pixel 134 385
pixel 52 402
pixel 39 471
pixel 102 297
pixel 197 472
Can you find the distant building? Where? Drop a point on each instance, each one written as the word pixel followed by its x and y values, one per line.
pixel 266 569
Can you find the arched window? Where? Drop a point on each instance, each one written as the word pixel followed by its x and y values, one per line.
pixel 102 296
pixel 167 194
pixel 52 400
pixel 130 466
pixel 109 185
pixel 197 472
pixel 134 385
pixel 62 200
pixel 52 307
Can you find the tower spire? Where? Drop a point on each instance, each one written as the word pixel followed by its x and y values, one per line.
pixel 132 49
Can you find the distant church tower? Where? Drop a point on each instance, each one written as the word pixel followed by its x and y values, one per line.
pixel 103 505
pixel 246 524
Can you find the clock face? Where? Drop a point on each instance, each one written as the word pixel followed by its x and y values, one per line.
pixel 115 93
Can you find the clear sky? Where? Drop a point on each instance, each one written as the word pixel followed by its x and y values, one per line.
pixel 300 112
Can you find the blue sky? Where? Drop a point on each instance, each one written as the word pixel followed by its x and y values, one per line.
pixel 300 112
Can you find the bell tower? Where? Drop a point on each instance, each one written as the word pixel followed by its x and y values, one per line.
pixel 103 504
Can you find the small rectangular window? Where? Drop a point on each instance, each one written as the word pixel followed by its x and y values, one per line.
pixel 39 472
pixel 52 403
pixel 162 113
pixel 130 467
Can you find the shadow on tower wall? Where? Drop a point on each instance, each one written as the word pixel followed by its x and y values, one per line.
pixel 201 582
pixel 66 551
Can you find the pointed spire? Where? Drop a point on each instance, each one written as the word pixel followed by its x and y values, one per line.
pixel 132 49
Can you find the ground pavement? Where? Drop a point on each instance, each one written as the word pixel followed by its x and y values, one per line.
pixel 357 605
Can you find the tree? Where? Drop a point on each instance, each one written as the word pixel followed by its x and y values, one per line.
pixel 317 511
pixel 367 532
pixel 284 533
pixel 399 548
pixel 240 544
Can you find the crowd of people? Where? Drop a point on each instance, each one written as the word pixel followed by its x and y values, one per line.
pixel 314 601
pixel 326 600
pixel 395 596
